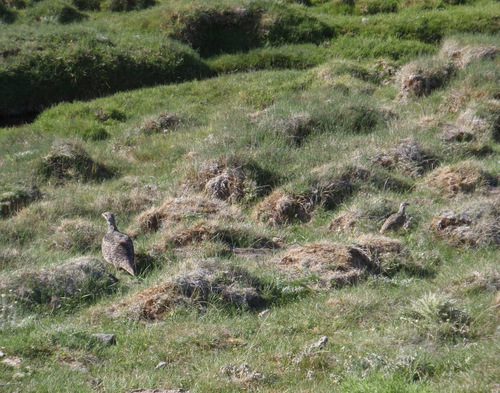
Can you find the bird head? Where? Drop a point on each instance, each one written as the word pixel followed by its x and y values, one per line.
pixel 110 217
pixel 403 206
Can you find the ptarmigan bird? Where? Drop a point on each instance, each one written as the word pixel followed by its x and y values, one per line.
pixel 396 220
pixel 117 247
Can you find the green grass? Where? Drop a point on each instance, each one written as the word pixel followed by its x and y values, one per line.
pixel 311 108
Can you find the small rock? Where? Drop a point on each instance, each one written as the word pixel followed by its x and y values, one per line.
pixel 160 365
pixel 365 20
pixel 264 313
pixel 108 339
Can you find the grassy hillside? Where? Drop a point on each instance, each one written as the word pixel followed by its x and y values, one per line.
pixel 252 151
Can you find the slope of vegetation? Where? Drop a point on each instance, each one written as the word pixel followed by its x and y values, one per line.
pixel 252 150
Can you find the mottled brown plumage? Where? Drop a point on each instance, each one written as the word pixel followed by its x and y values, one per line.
pixel 396 220
pixel 117 247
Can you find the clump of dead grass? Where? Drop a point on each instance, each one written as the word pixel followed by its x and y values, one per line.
pixel 229 178
pixel 80 280
pixel 14 200
pixel 233 235
pixel 437 316
pixel 229 185
pixel 131 198
pixel 408 157
pixel 464 177
pixel 390 255
pixel 330 264
pixel 295 128
pixel 368 217
pixel 242 375
pixel 175 210
pixel 419 78
pixel 480 280
pixel 477 222
pixel 162 123
pixel 282 208
pixel 69 161
pixel 463 55
pixel 456 133
pixel 204 283
pixel 76 235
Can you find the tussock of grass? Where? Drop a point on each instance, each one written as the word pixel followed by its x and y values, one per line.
pixel 464 177
pixel 50 11
pixel 77 235
pixel 11 201
pixel 201 285
pixel 184 208
pixel 69 161
pixel 73 284
pixel 408 157
pixel 438 317
pixel 475 223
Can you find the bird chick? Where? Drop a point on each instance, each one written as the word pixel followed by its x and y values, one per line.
pixel 396 220
pixel 117 247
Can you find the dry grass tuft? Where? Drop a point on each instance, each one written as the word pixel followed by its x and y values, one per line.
pixel 69 161
pixel 295 127
pixel 227 186
pixel 346 221
pixel 179 209
pixel 13 201
pixel 78 235
pixel 281 208
pixel 332 264
pixel 242 375
pixel 377 245
pixel 369 216
pixel 485 280
pixel 204 283
pixel 464 55
pixel 476 223
pixel 464 177
pixel 408 157
pixel 131 197
pixel 81 279
pixel 164 122
pixel 219 180
pixel 420 79
pixel 455 133
pixel 231 235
